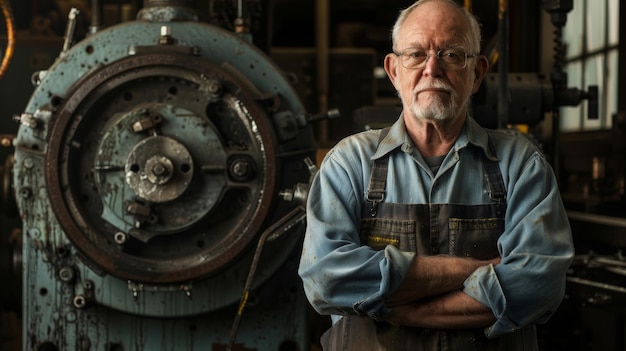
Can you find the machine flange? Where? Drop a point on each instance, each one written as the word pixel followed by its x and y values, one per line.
pixel 212 169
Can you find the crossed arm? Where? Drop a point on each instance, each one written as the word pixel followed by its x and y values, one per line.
pixel 431 297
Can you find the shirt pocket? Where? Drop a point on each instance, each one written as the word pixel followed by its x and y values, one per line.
pixel 377 233
pixel 477 238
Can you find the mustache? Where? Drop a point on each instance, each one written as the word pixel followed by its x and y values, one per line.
pixel 432 85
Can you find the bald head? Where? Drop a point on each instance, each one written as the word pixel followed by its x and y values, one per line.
pixel 473 36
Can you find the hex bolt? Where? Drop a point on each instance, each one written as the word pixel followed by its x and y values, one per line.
pixel 286 194
pixel 66 274
pixel 120 238
pixel 143 124
pixel 88 285
pixel 25 192
pixel 240 169
pixel 79 301
pixel 28 163
pixel 138 209
pixel 166 36
pixel 215 88
pixel 27 120
pixel 34 233
pixel 159 169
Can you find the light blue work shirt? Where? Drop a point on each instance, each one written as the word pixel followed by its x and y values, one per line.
pixel 343 277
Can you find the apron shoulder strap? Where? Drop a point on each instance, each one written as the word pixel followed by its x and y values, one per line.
pixel 378 177
pixel 495 183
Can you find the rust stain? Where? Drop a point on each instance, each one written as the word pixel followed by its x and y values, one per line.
pixel 540 219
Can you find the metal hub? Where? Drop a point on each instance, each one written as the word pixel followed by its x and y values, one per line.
pixel 159 169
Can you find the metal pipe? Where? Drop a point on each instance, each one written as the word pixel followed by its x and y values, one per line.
pixel 96 16
pixel 503 64
pixel 322 11
pixel 70 29
pixel 616 222
pixel 468 5
pixel 8 52
pixel 280 227
pixel 242 24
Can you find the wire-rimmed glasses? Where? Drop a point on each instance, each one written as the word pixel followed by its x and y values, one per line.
pixel 414 58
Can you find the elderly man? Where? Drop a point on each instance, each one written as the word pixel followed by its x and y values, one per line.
pixel 435 234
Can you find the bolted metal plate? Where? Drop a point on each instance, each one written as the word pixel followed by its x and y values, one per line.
pixel 126 127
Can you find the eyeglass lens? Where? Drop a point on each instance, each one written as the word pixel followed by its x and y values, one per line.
pixel 416 58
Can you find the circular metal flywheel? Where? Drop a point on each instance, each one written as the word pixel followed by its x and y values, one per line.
pixel 160 167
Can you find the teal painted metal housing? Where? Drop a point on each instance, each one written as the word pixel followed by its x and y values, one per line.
pixel 149 159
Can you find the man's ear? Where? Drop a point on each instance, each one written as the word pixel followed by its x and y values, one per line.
pixel 482 66
pixel 391 67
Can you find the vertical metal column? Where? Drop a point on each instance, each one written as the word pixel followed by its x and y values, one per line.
pixel 322 10
pixel 503 64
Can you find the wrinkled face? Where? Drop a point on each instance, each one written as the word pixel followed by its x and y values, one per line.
pixel 434 90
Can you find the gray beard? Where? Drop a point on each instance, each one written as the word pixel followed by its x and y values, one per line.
pixel 437 110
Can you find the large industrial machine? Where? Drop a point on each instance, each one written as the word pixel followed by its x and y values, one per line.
pixel 160 171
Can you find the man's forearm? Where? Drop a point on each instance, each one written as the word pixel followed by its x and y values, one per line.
pixel 450 311
pixel 434 276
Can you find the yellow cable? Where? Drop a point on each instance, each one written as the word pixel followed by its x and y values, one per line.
pixel 8 53
pixel 468 5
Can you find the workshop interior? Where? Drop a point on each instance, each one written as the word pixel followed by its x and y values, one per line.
pixel 155 158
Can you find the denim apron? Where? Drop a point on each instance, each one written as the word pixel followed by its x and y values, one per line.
pixel 429 229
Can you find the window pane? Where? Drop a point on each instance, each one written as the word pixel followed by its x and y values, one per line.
pixel 570 116
pixel 612 85
pixel 613 22
pixel 591 28
pixel 596 20
pixel 594 75
pixel 572 33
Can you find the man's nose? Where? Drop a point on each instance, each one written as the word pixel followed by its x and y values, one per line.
pixel 432 66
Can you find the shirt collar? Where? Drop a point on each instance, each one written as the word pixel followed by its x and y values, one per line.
pixel 476 135
pixel 472 133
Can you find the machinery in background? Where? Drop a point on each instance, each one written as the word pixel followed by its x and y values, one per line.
pixel 151 159
pixel 154 155
pixel 590 169
pixel 592 182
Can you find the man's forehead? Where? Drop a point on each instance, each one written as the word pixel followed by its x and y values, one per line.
pixel 431 38
pixel 438 25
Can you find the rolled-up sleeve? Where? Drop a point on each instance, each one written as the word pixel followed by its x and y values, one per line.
pixel 341 276
pixel 536 248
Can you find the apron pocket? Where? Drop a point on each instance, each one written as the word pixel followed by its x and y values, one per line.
pixel 477 238
pixel 377 233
